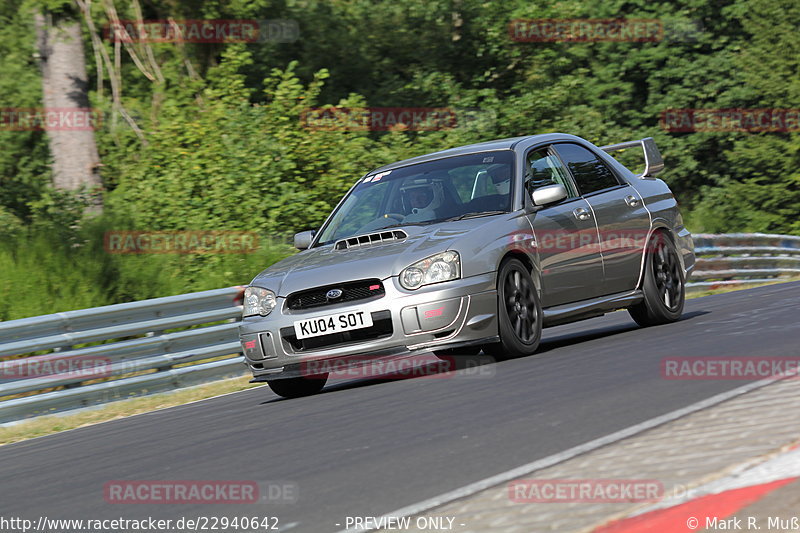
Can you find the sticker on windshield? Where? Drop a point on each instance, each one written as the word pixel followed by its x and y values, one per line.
pixel 377 177
pixel 488 159
pixel 367 179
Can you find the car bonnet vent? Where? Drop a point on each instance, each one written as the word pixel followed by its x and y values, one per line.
pixel 370 238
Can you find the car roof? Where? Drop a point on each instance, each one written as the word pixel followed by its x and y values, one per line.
pixel 499 144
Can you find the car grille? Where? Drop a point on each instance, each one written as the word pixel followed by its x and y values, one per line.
pixel 351 291
pixel 381 327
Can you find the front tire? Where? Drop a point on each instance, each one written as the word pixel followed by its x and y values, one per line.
pixel 298 387
pixel 519 313
pixel 664 285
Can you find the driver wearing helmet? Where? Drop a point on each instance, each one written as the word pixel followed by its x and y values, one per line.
pixel 420 197
pixel 422 200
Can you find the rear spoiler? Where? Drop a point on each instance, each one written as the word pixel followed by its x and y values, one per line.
pixel 653 163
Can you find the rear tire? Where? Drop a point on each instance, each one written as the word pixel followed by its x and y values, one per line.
pixel 664 285
pixel 298 387
pixel 519 313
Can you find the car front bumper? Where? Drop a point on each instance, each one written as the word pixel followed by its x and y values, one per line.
pixel 444 315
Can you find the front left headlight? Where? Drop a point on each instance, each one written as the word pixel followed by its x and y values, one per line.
pixel 258 301
pixel 445 266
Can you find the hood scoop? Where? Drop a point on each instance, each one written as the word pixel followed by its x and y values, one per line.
pixel 369 239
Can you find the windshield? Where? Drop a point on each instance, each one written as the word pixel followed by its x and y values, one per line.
pixel 425 193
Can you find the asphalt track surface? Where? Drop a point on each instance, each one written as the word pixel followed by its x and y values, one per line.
pixel 367 448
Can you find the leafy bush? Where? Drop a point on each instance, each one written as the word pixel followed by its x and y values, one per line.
pixel 44 271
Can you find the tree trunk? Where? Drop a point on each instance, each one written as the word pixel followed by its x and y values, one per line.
pixel 65 85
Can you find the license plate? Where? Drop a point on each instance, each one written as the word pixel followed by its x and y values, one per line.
pixel 328 324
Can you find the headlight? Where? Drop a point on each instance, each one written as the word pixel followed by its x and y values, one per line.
pixel 258 301
pixel 434 269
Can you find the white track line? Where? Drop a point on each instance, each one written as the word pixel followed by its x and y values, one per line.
pixel 472 488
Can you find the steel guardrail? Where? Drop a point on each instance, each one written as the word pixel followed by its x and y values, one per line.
pixel 743 259
pixel 74 359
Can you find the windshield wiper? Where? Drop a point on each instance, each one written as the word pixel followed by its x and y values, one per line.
pixel 401 224
pixel 474 214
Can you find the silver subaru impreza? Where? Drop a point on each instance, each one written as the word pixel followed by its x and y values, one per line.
pixel 468 249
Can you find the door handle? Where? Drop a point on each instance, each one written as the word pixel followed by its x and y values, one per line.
pixel 582 214
pixel 632 201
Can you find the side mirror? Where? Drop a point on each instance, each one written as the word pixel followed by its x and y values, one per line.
pixel 303 239
pixel 549 194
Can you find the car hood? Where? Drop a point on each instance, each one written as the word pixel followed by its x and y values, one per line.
pixel 325 266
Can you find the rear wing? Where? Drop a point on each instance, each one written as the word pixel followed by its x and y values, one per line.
pixel 653 163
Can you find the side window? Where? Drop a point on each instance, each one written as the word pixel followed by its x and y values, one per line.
pixel 590 173
pixel 544 168
pixel 479 181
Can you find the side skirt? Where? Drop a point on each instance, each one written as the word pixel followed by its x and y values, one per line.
pixel 563 314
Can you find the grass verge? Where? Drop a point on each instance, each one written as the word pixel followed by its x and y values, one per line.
pixel 722 290
pixel 46 425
